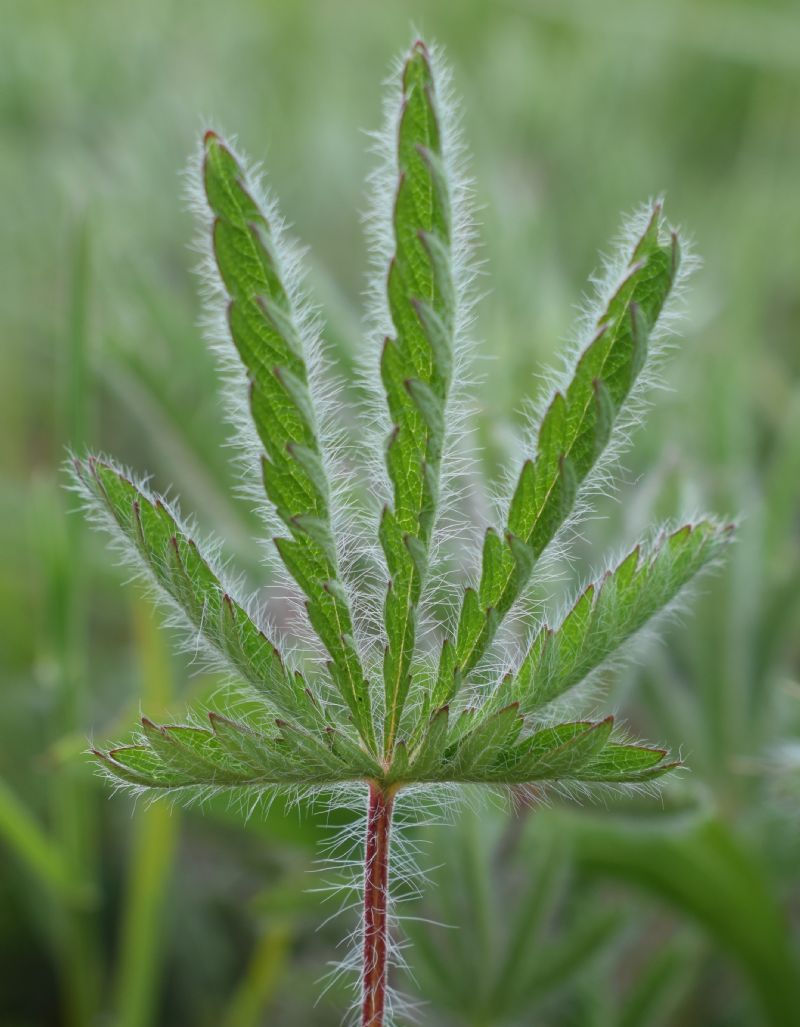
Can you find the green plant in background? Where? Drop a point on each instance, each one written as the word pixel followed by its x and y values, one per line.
pixel 505 930
pixel 516 930
pixel 452 685
pixel 511 931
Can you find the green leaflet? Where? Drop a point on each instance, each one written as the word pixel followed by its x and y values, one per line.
pixel 573 434
pixel 175 564
pixel 612 610
pixel 581 752
pixel 263 330
pixel 230 755
pixel 415 369
pixel 483 747
pixel 555 753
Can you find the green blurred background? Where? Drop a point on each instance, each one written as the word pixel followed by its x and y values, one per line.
pixel 683 911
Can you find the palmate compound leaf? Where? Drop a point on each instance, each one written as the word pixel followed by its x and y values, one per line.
pixel 498 740
pixel 481 744
pixel 415 727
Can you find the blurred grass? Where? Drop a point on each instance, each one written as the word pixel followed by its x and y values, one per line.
pixel 144 930
pixel 574 111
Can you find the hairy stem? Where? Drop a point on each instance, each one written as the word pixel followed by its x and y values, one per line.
pixel 376 899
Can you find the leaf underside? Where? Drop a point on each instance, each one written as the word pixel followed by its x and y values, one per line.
pixel 352 717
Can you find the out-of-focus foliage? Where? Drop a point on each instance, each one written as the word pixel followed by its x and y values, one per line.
pixel 574 111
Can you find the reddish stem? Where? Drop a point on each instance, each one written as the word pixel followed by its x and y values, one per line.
pixel 376 897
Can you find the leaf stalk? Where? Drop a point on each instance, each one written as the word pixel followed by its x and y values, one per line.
pixel 376 900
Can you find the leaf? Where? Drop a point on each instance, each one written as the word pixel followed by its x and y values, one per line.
pixel 415 367
pixel 564 961
pixel 139 765
pixel 513 938
pixel 23 834
pixel 482 747
pixel 497 563
pixel 528 922
pixel 264 331
pixel 574 432
pixel 328 738
pixel 318 761
pixel 173 561
pixel 193 753
pixel 471 626
pixel 399 771
pixel 352 755
pixel 233 754
pixel 662 987
pixel 249 748
pixel 613 609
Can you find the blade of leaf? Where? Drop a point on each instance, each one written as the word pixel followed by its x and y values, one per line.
pixel 573 434
pixel 415 368
pixel 172 560
pixel 264 330
pixel 611 611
